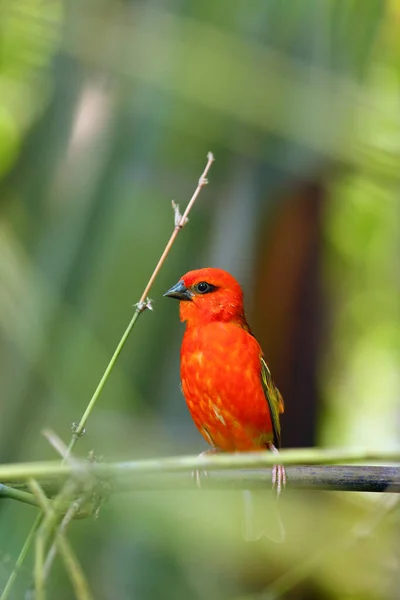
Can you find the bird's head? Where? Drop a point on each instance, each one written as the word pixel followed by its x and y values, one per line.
pixel 208 295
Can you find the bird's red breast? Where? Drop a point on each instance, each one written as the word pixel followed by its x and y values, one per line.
pixel 225 380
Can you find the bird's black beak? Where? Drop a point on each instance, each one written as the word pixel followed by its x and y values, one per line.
pixel 179 291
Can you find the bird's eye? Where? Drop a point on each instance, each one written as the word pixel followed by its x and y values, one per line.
pixel 203 287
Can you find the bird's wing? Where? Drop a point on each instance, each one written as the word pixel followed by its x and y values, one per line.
pixel 274 399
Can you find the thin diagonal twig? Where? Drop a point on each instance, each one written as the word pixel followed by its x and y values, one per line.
pixel 72 566
pixel 143 303
pixel 68 517
pixel 49 519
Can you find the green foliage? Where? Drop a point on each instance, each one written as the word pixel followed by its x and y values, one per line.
pixel 107 110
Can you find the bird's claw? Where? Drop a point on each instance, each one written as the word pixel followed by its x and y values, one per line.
pixel 278 478
pixel 197 475
pixel 278 473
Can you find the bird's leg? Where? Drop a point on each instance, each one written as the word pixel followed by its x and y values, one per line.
pixel 278 473
pixel 197 473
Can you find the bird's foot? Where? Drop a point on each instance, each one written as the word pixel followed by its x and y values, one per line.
pixel 278 473
pixel 198 474
pixel 278 478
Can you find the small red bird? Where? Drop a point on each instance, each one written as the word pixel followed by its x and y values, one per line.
pixel 225 379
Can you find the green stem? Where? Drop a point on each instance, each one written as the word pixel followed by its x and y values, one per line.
pixel 15 494
pixel 21 558
pixel 79 430
pixel 143 303
pixel 30 499
pixel 72 566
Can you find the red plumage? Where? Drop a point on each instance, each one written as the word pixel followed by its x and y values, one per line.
pixel 225 380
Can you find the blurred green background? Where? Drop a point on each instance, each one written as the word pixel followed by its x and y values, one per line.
pixel 107 111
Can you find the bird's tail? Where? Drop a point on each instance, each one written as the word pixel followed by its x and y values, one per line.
pixel 262 517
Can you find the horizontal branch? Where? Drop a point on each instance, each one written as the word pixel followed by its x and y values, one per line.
pixel 243 460
pixel 331 478
pixel 174 473
pixel 334 478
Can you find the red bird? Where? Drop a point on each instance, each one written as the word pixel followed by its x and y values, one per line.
pixel 225 379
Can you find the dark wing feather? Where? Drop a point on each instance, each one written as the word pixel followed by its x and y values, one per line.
pixel 274 399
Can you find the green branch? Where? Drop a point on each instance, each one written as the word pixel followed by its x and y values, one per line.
pixel 80 428
pixel 342 478
pixel 143 304
pixel 72 566
pixel 245 460
pixel 16 494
